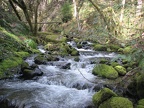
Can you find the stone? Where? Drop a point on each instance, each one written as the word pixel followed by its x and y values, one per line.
pixel 117 102
pixel 105 71
pixel 120 69
pixel 102 95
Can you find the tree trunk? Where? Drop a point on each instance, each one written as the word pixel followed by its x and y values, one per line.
pixel 36 18
pixel 139 8
pixel 16 12
pixel 122 12
pixel 22 5
pixel 76 14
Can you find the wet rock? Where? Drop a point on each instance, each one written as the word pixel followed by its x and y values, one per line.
pixel 102 96
pixel 66 66
pixel 24 65
pixel 40 59
pixel 76 59
pixel 105 71
pixel 29 74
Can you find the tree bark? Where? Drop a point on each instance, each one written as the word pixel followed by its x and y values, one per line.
pixel 122 12
pixel 14 8
pixel 22 5
pixel 36 18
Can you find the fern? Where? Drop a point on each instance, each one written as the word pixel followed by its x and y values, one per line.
pixel 120 57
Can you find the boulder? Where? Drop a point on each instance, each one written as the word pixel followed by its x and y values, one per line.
pixel 40 59
pixel 66 66
pixel 140 86
pixel 102 95
pixel 99 47
pixel 105 71
pixel 29 74
pixel 117 102
pixel 120 69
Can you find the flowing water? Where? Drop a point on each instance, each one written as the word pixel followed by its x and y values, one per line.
pixel 57 88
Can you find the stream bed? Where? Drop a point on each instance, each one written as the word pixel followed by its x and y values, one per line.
pixel 57 87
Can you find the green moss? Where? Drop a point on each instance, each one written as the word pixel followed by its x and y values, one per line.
pixel 114 64
pixel 30 43
pixel 128 50
pixel 74 52
pixel 103 61
pixel 113 47
pixel 102 96
pixel 99 47
pixel 121 70
pixel 106 71
pixel 22 54
pixel 141 102
pixel 140 86
pixel 9 63
pixel 117 102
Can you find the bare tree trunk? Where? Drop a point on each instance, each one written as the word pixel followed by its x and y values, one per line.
pixel 139 8
pixel 14 8
pixel 36 18
pixel 22 5
pixel 76 14
pixel 101 13
pixel 122 11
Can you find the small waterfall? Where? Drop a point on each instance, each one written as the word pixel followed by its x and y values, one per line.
pixel 57 88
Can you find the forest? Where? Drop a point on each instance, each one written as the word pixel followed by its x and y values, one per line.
pixel 71 54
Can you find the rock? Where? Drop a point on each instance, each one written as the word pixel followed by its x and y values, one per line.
pixel 40 59
pixel 105 71
pixel 103 61
pixel 24 65
pixel 102 95
pixel 140 86
pixel 76 59
pixel 99 47
pixel 29 74
pixel 140 104
pixel 117 102
pixel 66 66
pixel 120 69
pixel 74 52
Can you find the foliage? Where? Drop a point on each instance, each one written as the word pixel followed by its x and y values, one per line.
pixel 66 12
pixel 30 43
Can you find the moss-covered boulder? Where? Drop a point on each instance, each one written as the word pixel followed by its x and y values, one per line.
pixel 126 50
pixel 140 104
pixel 117 102
pixel 102 96
pixel 120 69
pixel 66 50
pixel 103 61
pixel 40 59
pixel 99 47
pixel 113 47
pixel 74 52
pixel 105 71
pixel 140 86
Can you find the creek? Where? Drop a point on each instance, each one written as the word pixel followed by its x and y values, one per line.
pixel 57 87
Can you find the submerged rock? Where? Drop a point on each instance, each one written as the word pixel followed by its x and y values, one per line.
pixel 105 71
